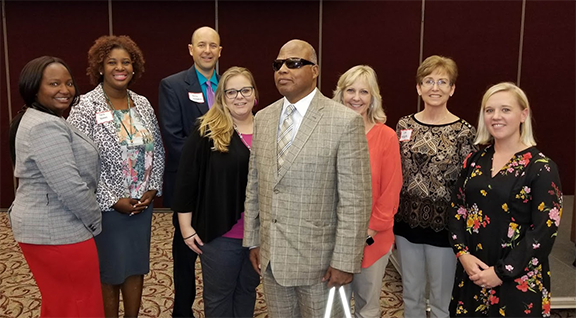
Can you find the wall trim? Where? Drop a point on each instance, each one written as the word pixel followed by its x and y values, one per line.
pixel 521 46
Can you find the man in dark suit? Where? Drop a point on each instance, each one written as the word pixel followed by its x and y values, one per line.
pixel 183 97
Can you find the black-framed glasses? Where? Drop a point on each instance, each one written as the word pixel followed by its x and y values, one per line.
pixel 291 63
pixel 233 93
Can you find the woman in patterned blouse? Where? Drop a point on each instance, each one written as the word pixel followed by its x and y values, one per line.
pixel 433 144
pixel 123 126
pixel 505 215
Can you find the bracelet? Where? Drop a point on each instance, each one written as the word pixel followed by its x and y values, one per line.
pixel 189 236
pixel 462 253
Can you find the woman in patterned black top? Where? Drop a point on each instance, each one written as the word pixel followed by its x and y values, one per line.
pixel 505 216
pixel 433 144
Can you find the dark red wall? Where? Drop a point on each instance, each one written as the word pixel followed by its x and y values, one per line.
pixel 548 79
pixel 483 37
pixel 6 183
pixel 252 33
pixel 382 34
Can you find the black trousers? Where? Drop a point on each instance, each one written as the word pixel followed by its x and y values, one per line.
pixel 184 274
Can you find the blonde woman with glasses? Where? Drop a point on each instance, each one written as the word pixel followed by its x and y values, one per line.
pixel 210 192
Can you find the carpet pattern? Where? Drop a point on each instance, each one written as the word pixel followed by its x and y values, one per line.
pixel 19 296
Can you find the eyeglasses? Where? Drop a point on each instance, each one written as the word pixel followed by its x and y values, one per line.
pixel 291 63
pixel 245 91
pixel 429 83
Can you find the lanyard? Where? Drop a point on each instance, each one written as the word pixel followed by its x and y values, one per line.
pixel 130 135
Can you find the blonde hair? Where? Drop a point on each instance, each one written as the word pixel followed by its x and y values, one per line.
pixel 483 137
pixel 375 111
pixel 437 62
pixel 217 123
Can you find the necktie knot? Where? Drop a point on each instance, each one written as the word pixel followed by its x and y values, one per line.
pixel 289 110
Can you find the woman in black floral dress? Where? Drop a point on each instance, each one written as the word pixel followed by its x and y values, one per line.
pixel 506 211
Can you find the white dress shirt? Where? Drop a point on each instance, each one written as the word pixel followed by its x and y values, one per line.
pixel 298 114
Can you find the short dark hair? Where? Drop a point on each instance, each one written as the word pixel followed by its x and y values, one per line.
pixel 31 78
pixel 101 49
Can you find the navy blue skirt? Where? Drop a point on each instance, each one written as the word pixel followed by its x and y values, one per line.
pixel 124 245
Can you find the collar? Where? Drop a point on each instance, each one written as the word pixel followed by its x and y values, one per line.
pixel 301 105
pixel 202 79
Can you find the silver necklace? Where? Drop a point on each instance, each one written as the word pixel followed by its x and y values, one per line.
pixel 242 138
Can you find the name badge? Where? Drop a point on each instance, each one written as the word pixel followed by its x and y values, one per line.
pixel 405 134
pixel 104 117
pixel 196 97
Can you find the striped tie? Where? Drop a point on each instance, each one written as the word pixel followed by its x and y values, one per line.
pixel 285 135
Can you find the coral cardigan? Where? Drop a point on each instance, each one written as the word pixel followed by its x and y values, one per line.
pixel 386 168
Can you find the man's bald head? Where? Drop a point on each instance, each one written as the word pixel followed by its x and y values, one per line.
pixel 298 81
pixel 205 49
pixel 301 46
pixel 205 31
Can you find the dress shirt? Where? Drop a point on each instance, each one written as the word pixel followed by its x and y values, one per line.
pixel 298 114
pixel 202 80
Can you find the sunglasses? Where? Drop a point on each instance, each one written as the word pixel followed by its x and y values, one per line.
pixel 291 63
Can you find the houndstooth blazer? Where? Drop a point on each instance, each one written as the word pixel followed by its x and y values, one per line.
pixel 111 186
pixel 314 212
pixel 57 168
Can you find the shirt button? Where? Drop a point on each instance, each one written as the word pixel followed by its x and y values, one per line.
pixel 276 191
pixel 274 221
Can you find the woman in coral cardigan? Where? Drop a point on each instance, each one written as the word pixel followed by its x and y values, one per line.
pixel 358 90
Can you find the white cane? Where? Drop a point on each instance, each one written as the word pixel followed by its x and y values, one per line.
pixel 331 302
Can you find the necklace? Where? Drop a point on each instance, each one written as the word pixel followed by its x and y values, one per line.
pixel 437 121
pixel 242 138
pixel 128 133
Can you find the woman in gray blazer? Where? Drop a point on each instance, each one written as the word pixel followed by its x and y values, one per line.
pixel 124 127
pixel 55 215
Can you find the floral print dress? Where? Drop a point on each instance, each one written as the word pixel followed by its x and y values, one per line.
pixel 137 146
pixel 508 221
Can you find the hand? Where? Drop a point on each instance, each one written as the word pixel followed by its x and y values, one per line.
pixel 255 259
pixel 486 278
pixel 371 232
pixel 472 264
pixel 192 239
pixel 146 200
pixel 126 206
pixel 337 278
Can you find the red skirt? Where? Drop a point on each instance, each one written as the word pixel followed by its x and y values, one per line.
pixel 68 277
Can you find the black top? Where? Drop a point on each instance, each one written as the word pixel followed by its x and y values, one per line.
pixel 211 184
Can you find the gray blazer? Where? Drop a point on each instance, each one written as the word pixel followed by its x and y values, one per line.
pixel 314 212
pixel 58 170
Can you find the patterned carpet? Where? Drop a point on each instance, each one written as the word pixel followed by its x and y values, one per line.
pixel 19 296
